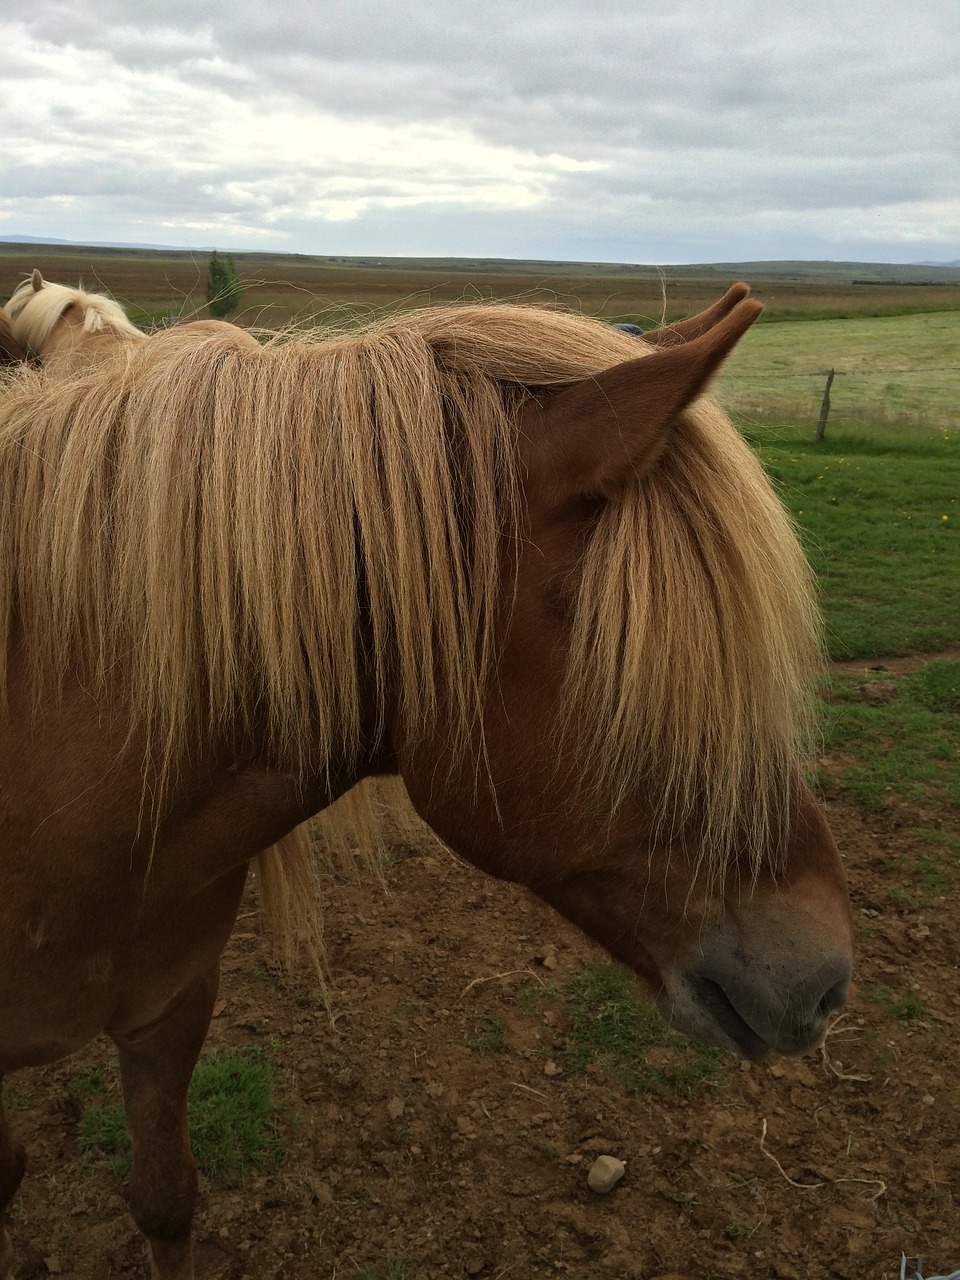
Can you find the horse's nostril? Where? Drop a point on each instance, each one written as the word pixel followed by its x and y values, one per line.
pixel 835 996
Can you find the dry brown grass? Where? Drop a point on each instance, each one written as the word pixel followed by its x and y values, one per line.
pixel 280 289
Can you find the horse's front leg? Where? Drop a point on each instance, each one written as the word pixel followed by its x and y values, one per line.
pixel 12 1163
pixel 155 1068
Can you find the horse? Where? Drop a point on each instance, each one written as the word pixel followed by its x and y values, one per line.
pixel 513 557
pixel 68 329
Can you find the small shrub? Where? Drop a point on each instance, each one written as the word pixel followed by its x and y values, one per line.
pixel 224 289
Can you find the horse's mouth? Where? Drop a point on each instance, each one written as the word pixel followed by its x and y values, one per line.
pixel 705 1010
pixel 723 1013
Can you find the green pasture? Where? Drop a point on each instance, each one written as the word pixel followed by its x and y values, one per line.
pixel 879 514
pixel 904 745
pixel 893 372
pixel 878 499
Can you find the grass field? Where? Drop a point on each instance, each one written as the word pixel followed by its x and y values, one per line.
pixel 892 371
pixel 880 517
pixel 283 288
pixel 878 500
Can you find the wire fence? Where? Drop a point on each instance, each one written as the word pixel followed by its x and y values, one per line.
pixel 848 373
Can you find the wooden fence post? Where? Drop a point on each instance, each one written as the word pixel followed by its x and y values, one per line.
pixel 825 407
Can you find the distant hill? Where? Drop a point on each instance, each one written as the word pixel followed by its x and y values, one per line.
pixel 98 244
pixel 798 269
pixel 837 272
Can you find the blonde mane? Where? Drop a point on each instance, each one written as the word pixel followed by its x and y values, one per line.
pixel 34 313
pixel 221 532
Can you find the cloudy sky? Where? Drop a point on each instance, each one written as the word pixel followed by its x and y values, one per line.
pixel 600 130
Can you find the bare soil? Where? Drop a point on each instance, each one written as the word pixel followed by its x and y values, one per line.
pixel 412 1143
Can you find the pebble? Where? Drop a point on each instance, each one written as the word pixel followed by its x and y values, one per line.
pixel 605 1173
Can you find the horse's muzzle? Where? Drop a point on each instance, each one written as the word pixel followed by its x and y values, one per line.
pixel 771 993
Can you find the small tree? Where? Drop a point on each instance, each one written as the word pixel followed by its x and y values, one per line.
pixel 224 289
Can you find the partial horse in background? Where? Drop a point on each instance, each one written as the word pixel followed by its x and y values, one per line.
pixel 512 556
pixel 68 329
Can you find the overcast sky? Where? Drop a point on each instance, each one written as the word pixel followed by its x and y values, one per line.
pixel 666 131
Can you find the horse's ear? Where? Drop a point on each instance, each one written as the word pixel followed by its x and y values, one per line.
pixel 671 335
pixel 37 280
pixel 595 436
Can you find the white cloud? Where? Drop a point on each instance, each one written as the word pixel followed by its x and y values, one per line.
pixel 642 133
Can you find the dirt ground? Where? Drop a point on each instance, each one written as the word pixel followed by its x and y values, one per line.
pixel 417 1155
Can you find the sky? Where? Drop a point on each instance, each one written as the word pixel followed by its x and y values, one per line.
pixel 573 130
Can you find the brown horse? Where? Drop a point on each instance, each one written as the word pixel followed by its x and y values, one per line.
pixel 69 330
pixel 514 557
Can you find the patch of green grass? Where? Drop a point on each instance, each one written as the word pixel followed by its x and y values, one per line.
pixel 489 1036
pixel 903 1007
pixel 920 882
pixel 880 522
pixel 91 1079
pixel 234 1115
pixel 396 1270
pixel 532 998
pixel 936 686
pixel 739 1230
pixel 103 1128
pixel 891 371
pixel 904 902
pixel 613 1021
pixel 908 747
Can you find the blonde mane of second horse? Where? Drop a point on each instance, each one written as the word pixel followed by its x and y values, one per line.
pixel 63 326
pixel 68 329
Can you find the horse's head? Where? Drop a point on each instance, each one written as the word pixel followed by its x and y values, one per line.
pixel 54 320
pixel 641 737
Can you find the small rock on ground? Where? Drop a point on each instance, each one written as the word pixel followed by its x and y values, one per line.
pixel 605 1173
